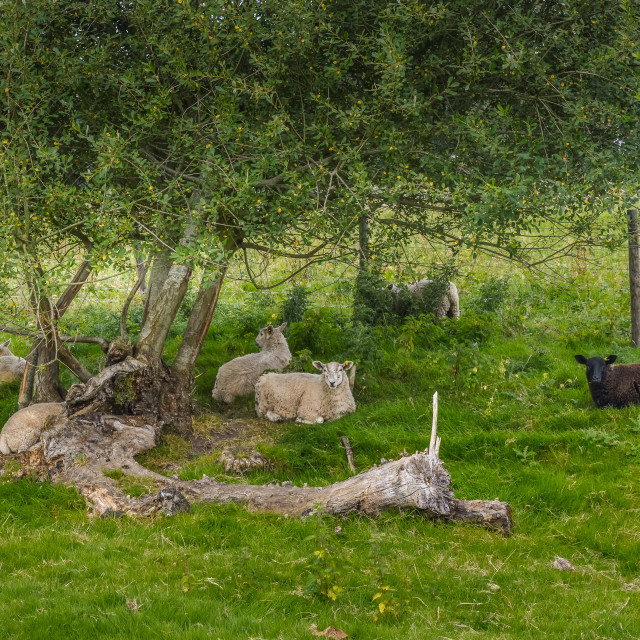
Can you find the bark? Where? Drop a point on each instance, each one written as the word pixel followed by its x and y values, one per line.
pixel 363 242
pixel 76 450
pixel 634 276
pixel 41 382
pixel 73 364
pixel 124 331
pixel 157 278
pixel 26 388
pixel 161 314
pixel 141 268
pixel 198 325
pixel 73 289
pixel 46 382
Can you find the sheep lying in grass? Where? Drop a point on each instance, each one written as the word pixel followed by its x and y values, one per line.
pixel 307 397
pixel 11 367
pixel 448 305
pixel 238 377
pixel 617 386
pixel 24 428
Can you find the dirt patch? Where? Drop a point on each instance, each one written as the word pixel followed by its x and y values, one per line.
pixel 214 431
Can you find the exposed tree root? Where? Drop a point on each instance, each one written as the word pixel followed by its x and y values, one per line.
pixel 79 449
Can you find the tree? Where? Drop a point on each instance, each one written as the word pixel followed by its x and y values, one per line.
pixel 209 130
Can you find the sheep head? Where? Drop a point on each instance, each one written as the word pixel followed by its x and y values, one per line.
pixel 596 366
pixel 269 334
pixel 4 348
pixel 332 372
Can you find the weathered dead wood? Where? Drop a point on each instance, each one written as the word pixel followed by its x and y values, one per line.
pixel 76 450
pixel 349 451
pixel 80 396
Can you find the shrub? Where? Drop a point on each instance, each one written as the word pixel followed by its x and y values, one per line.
pixel 372 301
pixel 492 295
pixel 295 304
pixel 321 331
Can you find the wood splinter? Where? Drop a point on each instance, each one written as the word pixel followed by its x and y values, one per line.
pixel 349 451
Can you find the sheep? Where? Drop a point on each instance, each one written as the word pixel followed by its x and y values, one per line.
pixel 448 305
pixel 615 387
pixel 307 397
pixel 238 377
pixel 24 428
pixel 11 367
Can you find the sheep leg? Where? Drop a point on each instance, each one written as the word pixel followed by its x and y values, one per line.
pixel 274 417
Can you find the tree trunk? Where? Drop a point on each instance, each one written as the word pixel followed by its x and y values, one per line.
pixel 199 322
pixel 363 242
pixel 26 388
pixel 41 382
pixel 157 278
pixel 168 286
pixel 105 442
pixel 46 383
pixel 73 289
pixel 162 312
pixel 141 269
pixel 634 276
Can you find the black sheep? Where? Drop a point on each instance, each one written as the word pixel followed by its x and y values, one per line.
pixel 616 387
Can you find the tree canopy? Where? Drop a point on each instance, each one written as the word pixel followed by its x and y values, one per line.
pixel 207 129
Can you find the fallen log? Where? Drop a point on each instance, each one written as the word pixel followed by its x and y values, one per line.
pixel 77 450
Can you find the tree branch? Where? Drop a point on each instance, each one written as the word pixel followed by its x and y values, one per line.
pixel 124 332
pixel 73 364
pixel 72 290
pixel 281 254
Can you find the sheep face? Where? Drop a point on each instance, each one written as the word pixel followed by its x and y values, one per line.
pixel 332 372
pixel 596 366
pixel 268 335
pixel 4 348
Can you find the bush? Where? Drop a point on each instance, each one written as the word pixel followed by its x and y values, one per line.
pixel 492 295
pixel 251 318
pixel 321 332
pixel 374 304
pixel 295 304
pixel 372 300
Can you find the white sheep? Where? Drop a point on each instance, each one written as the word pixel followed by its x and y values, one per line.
pixel 307 397
pixel 11 367
pixel 238 377
pixel 24 428
pixel 449 304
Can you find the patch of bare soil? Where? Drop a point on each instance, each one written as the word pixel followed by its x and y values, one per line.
pixel 213 431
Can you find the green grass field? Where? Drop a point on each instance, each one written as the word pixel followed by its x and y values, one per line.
pixel 517 423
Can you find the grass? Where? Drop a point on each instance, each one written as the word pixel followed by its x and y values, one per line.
pixel 517 423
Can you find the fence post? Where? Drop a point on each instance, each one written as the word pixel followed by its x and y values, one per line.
pixel 634 276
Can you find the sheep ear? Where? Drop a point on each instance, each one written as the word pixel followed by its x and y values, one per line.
pixel 581 359
pixel 6 344
pixel 610 359
pixel 269 329
pixel 347 365
pixel 282 327
pixel 318 365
